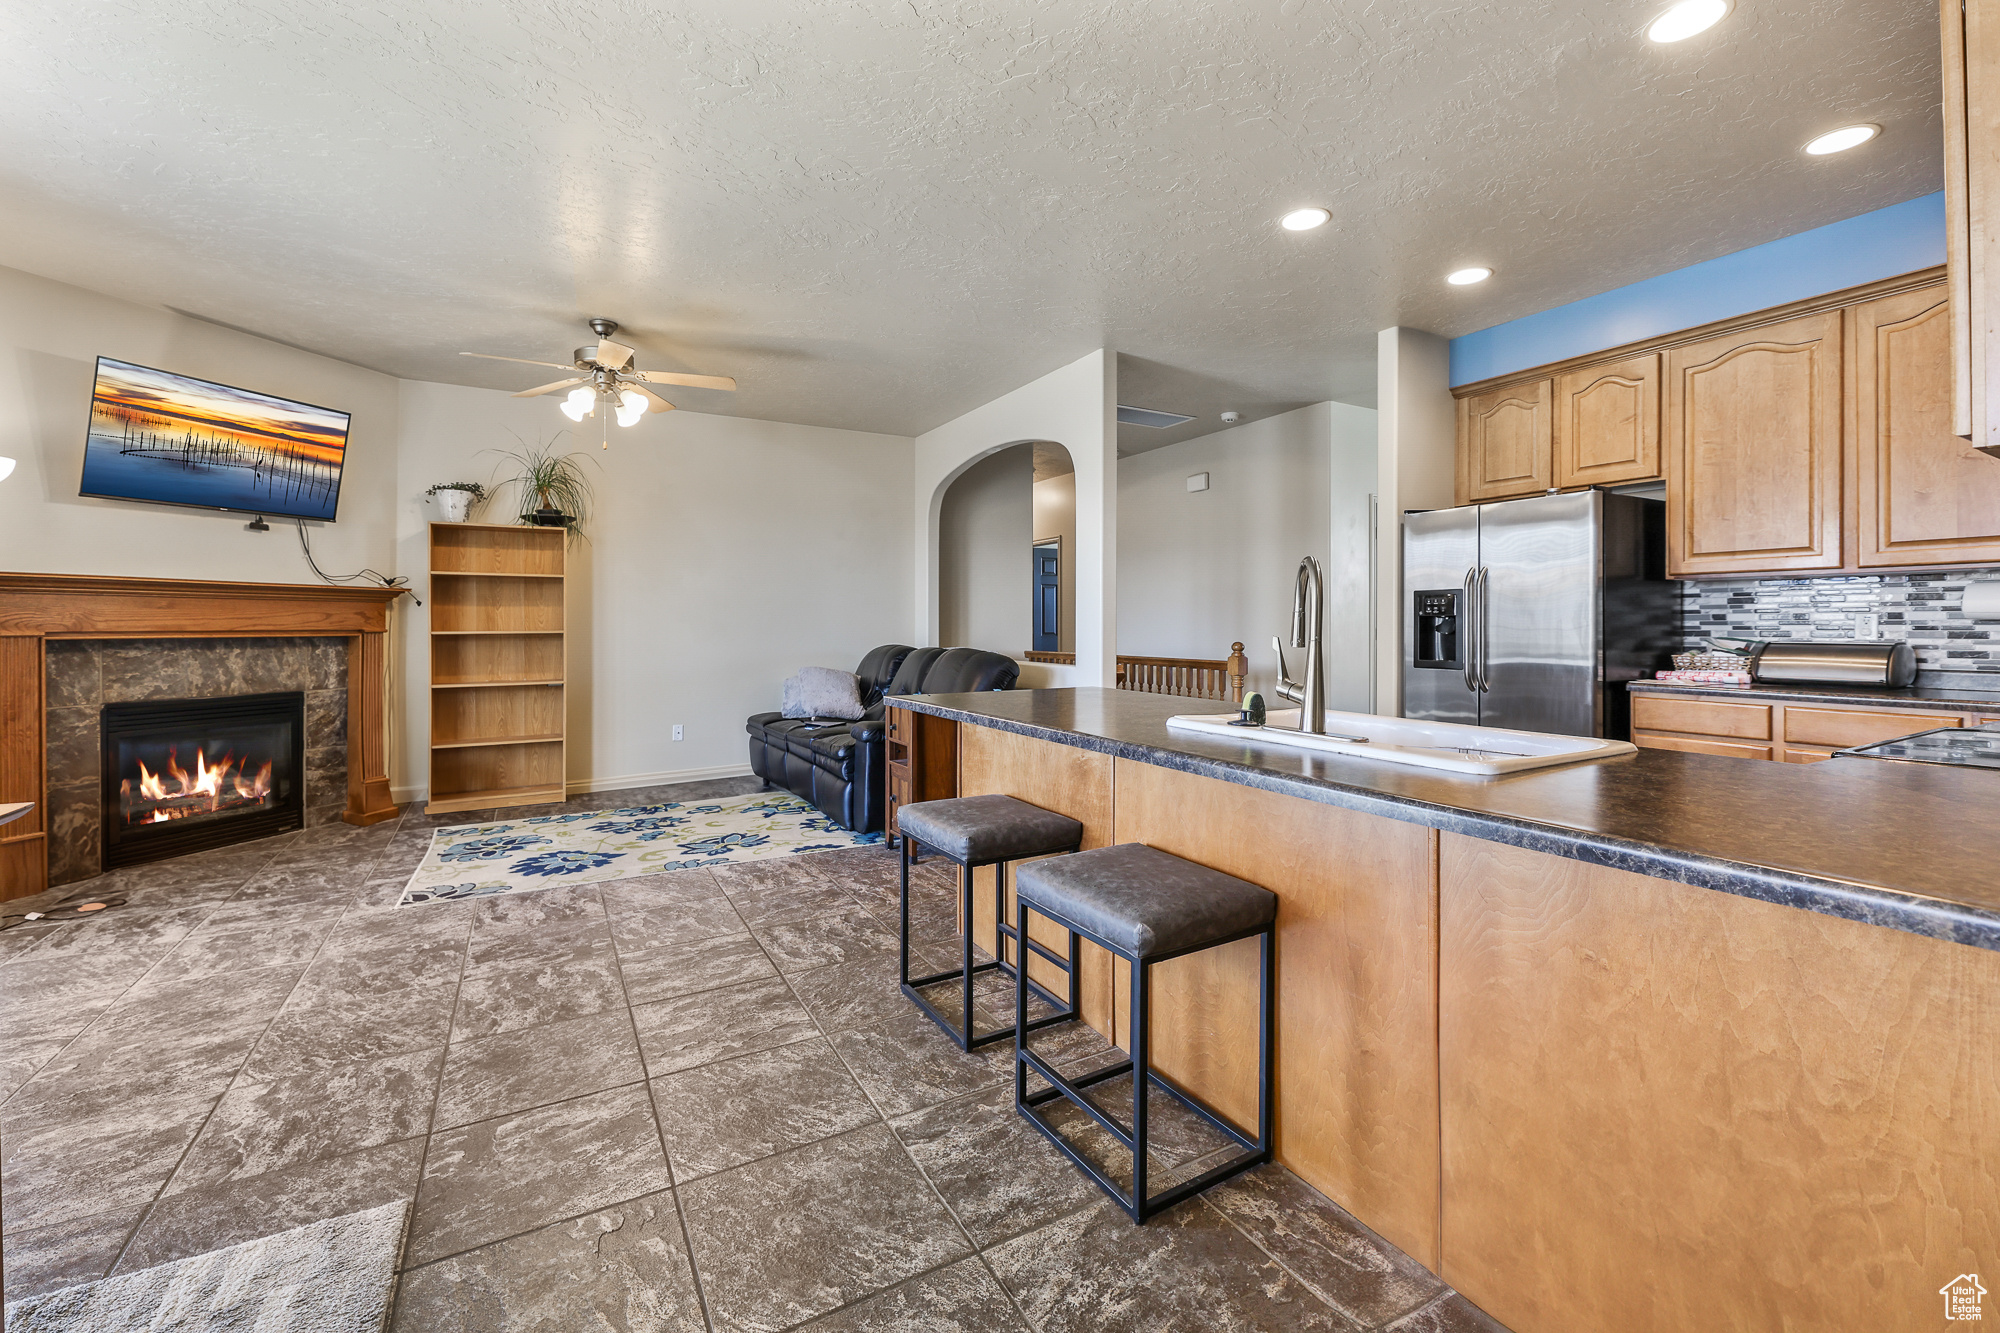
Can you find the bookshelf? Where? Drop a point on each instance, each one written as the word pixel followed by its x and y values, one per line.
pixel 497 666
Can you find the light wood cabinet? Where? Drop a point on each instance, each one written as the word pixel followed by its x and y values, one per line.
pixel 1607 423
pixel 1667 1109
pixel 497 682
pixel 1971 65
pixel 920 754
pixel 1923 495
pixel 1794 733
pixel 1504 442
pixel 1815 438
pixel 1753 449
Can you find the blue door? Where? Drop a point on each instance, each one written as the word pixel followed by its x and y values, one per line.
pixel 1048 597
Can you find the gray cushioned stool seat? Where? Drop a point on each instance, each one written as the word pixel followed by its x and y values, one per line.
pixel 1144 900
pixel 982 829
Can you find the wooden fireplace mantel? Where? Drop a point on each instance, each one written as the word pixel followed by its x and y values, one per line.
pixel 35 608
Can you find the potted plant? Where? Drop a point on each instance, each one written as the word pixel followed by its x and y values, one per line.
pixel 554 491
pixel 454 499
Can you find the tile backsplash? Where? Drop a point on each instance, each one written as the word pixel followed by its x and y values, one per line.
pixel 1924 608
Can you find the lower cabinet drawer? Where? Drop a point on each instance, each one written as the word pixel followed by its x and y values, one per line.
pixel 1837 728
pixel 1738 721
pixel 1728 749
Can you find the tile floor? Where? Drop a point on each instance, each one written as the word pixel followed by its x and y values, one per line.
pixel 694 1101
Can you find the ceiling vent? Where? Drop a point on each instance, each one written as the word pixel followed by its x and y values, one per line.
pixel 1142 416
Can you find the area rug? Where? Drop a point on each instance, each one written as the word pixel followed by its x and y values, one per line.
pixel 335 1276
pixel 522 855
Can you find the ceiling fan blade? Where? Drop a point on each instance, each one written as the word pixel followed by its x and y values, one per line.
pixel 613 356
pixel 559 365
pixel 551 388
pixel 659 404
pixel 690 381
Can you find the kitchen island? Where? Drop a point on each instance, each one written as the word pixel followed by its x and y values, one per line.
pixel 1659 1042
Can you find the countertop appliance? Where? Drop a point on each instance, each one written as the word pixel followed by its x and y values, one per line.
pixel 1891 664
pixel 1532 614
pixel 1963 747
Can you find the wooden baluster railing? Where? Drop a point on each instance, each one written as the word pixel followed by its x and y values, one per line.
pixel 1221 678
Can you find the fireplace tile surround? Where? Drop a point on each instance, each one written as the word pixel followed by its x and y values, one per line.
pixel 85 674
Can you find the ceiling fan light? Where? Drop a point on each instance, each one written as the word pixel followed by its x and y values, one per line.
pixel 578 403
pixel 631 406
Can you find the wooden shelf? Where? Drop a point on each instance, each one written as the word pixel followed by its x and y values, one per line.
pixel 497 666
pixel 553 738
pixel 487 574
pixel 491 797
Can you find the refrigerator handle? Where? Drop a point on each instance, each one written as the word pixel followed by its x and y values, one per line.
pixel 1485 623
pixel 1468 617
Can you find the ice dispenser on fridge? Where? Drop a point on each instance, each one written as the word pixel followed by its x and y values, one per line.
pixel 1436 630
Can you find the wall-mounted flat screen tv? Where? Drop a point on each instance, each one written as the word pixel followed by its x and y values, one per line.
pixel 173 439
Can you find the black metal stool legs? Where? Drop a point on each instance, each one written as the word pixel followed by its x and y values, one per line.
pixel 963 1031
pixel 1137 1204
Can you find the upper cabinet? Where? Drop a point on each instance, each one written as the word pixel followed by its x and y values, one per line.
pixel 1503 443
pixel 1608 423
pixel 1924 494
pixel 1815 437
pixel 1753 449
pixel 1971 59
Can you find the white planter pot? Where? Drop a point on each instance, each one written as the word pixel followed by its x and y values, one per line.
pixel 453 506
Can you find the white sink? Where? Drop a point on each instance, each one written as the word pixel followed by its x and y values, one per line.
pixel 1487 751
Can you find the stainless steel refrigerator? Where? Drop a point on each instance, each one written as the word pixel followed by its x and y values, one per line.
pixel 1532 614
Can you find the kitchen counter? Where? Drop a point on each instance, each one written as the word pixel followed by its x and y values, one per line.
pixel 1908 847
pixel 1920 696
pixel 1565 1036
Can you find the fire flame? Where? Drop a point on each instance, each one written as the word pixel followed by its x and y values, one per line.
pixel 207 789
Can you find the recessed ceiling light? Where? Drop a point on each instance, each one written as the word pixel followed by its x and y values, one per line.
pixel 1304 219
pixel 1840 140
pixel 1686 19
pixel 1465 277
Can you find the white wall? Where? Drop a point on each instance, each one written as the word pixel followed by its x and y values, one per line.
pixel 1351 571
pixel 51 335
pixel 1203 569
pixel 1415 457
pixel 1055 517
pixel 1075 407
pixel 724 554
pixel 985 527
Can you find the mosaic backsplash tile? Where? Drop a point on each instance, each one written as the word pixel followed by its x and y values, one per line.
pixel 1923 608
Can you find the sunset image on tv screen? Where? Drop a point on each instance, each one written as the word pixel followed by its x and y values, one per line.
pixel 172 439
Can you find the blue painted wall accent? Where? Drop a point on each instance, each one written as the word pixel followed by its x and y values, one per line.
pixel 1882 244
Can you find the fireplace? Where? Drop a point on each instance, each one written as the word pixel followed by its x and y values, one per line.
pixel 183 775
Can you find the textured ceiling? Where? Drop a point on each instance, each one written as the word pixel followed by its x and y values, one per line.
pixel 879 216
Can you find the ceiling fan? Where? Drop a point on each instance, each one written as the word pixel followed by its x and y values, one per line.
pixel 606 377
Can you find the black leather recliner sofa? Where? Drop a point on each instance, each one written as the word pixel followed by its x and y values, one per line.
pixel 839 765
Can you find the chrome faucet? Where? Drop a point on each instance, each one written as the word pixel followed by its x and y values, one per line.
pixel 1308 602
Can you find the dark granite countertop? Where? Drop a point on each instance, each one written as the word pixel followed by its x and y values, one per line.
pixel 1937 698
pixel 1912 847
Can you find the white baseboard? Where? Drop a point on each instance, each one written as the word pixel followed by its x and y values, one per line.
pixel 583 786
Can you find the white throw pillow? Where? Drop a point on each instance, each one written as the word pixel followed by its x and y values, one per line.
pixel 823 692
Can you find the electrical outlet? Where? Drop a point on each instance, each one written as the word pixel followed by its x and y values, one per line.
pixel 677 732
pixel 1867 624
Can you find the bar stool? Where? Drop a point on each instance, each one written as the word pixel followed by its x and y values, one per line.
pixel 1146 906
pixel 975 831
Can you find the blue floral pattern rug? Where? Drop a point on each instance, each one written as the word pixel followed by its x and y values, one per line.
pixel 522 855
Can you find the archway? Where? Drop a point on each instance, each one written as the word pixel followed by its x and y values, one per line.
pixel 1006 538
